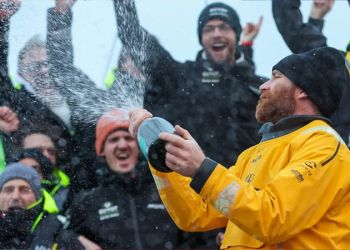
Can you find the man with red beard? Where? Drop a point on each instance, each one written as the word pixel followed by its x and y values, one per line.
pixel 290 191
pixel 124 211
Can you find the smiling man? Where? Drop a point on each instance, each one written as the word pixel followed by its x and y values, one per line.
pixel 291 190
pixel 220 85
pixel 124 211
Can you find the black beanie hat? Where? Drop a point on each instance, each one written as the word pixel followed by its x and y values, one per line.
pixel 36 154
pixel 219 11
pixel 320 73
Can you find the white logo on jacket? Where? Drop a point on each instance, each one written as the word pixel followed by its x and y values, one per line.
pixel 108 211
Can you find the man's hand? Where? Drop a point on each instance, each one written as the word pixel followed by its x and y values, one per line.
pixel 8 8
pixel 219 238
pixel 62 6
pixel 137 116
pixel 8 120
pixel 88 244
pixel 320 8
pixel 184 155
pixel 251 30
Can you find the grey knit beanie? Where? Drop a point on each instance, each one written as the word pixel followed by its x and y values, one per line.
pixel 19 171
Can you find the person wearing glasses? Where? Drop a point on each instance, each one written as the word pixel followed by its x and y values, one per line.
pixel 220 85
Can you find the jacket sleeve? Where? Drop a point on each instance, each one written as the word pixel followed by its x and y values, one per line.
pixel 293 201
pixel 150 57
pixel 6 90
pixel 51 232
pixel 67 78
pixel 78 214
pixel 187 209
pixel 4 27
pixel 299 36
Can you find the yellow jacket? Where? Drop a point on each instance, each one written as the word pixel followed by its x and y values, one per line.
pixel 291 192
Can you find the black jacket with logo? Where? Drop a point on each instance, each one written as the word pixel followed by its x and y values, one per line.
pixel 124 212
pixel 216 103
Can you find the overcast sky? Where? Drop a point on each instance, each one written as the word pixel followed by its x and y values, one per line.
pixel 172 21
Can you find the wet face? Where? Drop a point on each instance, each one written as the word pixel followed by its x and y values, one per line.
pixel 32 163
pixel 42 142
pixel 277 99
pixel 121 151
pixel 35 68
pixel 16 193
pixel 219 41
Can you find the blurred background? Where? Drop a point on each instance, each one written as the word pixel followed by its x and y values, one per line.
pixel 173 22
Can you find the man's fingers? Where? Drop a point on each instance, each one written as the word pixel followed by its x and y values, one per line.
pixel 183 132
pixel 173 162
pixel 170 161
pixel 12 117
pixel 261 19
pixel 173 150
pixel 176 140
pixel 136 117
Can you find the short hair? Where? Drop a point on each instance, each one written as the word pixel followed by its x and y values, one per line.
pixel 32 43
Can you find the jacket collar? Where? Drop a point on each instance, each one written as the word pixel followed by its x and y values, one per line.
pixel 287 125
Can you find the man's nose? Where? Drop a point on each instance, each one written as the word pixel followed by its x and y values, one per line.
pixel 122 143
pixel 217 31
pixel 15 195
pixel 264 86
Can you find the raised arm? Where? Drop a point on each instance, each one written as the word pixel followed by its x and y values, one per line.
pixel 7 9
pixel 299 36
pixel 148 54
pixel 60 49
pixel 79 90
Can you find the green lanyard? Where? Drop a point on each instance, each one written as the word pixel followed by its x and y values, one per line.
pixel 49 207
pixel 110 78
pixel 2 156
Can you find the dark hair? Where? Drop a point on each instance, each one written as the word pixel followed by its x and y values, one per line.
pixel 36 154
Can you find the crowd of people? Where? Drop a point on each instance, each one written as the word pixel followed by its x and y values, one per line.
pixel 256 162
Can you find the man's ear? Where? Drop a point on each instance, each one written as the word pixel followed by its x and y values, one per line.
pixel 300 94
pixel 103 152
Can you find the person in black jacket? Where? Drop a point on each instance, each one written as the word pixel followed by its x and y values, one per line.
pixel 52 179
pixel 19 188
pixel 124 211
pixel 74 143
pixel 301 37
pixel 31 111
pixel 220 85
pixel 27 214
